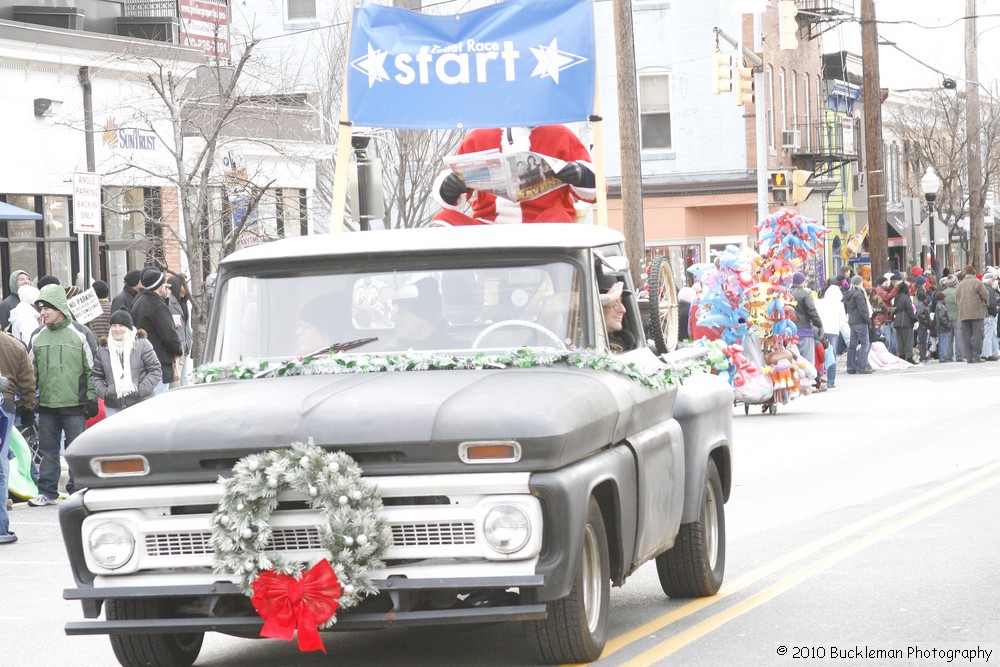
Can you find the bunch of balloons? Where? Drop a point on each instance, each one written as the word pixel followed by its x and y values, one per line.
pixel 787 239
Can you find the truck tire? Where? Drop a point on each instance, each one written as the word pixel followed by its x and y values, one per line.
pixel 151 650
pixel 696 564
pixel 576 628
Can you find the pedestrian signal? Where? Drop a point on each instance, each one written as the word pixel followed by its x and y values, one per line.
pixel 779 187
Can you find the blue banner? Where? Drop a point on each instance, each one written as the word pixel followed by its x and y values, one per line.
pixel 519 63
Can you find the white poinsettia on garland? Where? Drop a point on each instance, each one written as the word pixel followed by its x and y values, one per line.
pixel 335 363
pixel 288 597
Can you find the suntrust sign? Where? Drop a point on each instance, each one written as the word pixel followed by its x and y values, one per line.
pixel 133 139
pixel 517 63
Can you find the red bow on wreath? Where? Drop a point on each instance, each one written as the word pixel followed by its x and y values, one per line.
pixel 286 604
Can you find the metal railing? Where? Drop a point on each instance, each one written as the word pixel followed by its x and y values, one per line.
pixel 148 8
pixel 826 6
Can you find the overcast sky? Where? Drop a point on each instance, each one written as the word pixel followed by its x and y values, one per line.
pixel 942 48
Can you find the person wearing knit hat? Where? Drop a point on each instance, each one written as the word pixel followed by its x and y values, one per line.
pixel 130 290
pixel 25 318
pixel 885 294
pixel 858 320
pixel 152 278
pixel 150 312
pixel 972 298
pixel 17 278
pixel 903 321
pixel 126 370
pixel 62 352
pixel 807 318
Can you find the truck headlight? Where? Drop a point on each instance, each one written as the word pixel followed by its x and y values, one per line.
pixel 111 544
pixel 506 528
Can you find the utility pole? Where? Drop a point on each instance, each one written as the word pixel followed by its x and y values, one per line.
pixel 973 131
pixel 877 242
pixel 628 130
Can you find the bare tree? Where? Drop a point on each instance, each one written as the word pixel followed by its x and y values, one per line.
pixel 197 111
pixel 411 160
pixel 934 124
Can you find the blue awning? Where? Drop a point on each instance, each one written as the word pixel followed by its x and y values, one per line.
pixel 11 212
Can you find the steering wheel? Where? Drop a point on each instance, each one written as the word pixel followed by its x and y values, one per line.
pixel 504 324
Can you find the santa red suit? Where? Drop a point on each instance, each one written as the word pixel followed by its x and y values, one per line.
pixel 554 206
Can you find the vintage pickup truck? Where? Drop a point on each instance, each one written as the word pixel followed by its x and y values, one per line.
pixel 511 493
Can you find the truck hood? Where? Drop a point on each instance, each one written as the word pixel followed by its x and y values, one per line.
pixel 391 423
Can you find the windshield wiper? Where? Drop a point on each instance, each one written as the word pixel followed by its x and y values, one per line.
pixel 342 347
pixel 336 347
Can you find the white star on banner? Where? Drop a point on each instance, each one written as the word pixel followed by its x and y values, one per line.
pixel 372 65
pixel 551 60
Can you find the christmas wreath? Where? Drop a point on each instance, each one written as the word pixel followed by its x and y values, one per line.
pixel 288 597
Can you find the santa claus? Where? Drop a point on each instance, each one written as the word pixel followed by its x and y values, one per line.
pixel 557 205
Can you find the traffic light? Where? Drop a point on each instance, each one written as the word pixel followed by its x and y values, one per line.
pixel 723 73
pixel 788 27
pixel 743 84
pixel 779 187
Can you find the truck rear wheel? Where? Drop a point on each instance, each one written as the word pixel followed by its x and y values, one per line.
pixel 151 650
pixel 576 628
pixel 696 564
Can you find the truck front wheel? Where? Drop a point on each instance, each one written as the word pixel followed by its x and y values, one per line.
pixel 151 650
pixel 576 628
pixel 696 564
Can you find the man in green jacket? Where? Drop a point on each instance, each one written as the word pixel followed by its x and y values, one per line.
pixel 62 353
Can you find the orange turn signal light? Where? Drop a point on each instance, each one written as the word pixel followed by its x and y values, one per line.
pixel 492 451
pixel 120 466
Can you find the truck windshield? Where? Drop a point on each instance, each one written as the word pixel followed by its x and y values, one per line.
pixel 453 310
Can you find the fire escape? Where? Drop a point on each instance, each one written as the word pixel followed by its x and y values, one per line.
pixel 829 145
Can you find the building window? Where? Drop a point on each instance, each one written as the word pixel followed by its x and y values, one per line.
pixel 805 105
pixel 133 230
pixel 769 106
pixel 795 101
pixel 301 10
pixel 654 112
pixel 783 90
pixel 681 256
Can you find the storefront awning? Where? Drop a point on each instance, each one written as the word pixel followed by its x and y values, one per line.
pixel 894 237
pixel 11 212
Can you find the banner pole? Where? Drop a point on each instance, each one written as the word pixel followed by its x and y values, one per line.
pixel 599 171
pixel 342 161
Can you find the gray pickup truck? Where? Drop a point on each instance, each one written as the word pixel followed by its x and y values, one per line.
pixel 514 494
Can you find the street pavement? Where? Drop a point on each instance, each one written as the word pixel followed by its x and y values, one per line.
pixel 862 530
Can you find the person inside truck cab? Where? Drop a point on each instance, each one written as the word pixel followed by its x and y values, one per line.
pixel 419 319
pixel 325 320
pixel 619 338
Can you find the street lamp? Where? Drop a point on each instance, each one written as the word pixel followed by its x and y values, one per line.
pixel 930 184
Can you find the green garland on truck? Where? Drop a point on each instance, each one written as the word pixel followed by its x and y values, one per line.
pixel 658 379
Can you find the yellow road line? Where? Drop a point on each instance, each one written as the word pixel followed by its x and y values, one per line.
pixel 684 638
pixel 787 560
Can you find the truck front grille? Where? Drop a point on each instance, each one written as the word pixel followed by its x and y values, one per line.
pixel 199 543
pixel 433 534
